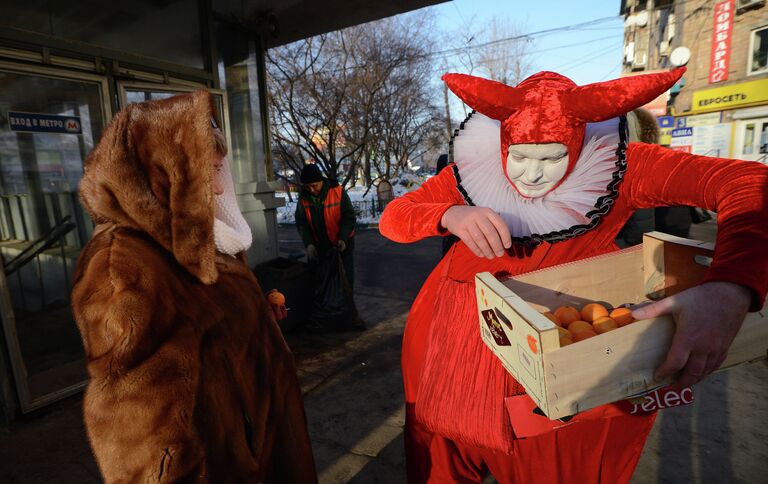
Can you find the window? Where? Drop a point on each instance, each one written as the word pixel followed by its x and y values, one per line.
pixel 758 50
pixel 749 139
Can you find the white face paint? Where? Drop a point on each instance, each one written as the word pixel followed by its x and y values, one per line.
pixel 535 168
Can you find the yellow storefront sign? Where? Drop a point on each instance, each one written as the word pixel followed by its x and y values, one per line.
pixel 727 97
pixel 665 136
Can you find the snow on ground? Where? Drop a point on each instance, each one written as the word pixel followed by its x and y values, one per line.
pixel 366 204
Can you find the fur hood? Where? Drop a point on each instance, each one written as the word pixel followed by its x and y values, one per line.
pixel 135 178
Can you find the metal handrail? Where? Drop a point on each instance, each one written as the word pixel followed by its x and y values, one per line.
pixel 45 242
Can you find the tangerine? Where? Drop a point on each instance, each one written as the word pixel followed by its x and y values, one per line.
pixel 593 311
pixel 566 315
pixel 604 324
pixel 579 326
pixel 565 341
pixel 582 335
pixel 276 297
pixel 622 316
pixel 563 333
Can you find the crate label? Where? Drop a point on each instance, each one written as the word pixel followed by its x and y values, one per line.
pixel 494 326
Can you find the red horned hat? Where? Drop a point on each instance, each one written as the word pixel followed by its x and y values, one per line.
pixel 550 108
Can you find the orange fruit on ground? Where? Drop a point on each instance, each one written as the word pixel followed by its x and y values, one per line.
pixel 567 314
pixel 565 341
pixel 276 297
pixel 551 317
pixel 593 311
pixel 563 333
pixel 604 324
pixel 622 316
pixel 579 326
pixel 582 335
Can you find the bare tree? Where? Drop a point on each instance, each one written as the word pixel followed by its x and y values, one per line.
pixel 353 101
pixel 357 102
pixel 409 122
pixel 504 57
pixel 500 51
pixel 311 85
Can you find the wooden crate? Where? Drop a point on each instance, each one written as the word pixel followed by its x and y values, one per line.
pixel 611 366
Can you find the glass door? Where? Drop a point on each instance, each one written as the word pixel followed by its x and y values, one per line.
pixel 49 122
pixel 752 140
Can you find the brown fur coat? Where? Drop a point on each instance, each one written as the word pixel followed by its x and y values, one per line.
pixel 191 380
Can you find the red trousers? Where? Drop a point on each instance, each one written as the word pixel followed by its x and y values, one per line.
pixel 602 450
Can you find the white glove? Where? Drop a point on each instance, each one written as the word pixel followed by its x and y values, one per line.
pixel 341 245
pixel 311 252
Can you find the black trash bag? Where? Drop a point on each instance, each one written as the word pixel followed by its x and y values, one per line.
pixel 333 306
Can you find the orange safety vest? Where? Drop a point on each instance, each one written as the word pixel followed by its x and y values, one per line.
pixel 331 214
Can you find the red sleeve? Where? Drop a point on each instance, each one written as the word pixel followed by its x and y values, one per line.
pixel 417 214
pixel 737 190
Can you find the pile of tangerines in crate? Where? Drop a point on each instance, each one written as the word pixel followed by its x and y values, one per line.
pixel 593 319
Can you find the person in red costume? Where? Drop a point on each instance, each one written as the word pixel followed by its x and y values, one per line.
pixel 557 188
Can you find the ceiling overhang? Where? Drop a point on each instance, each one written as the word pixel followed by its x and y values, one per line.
pixel 286 21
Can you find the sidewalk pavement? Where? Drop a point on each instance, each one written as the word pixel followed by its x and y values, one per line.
pixel 355 415
pixel 353 398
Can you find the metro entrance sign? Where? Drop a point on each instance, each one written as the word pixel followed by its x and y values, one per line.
pixel 43 123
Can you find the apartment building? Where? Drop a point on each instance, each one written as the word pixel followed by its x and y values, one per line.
pixel 720 106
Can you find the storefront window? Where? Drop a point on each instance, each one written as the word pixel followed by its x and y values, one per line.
pixel 749 139
pixel 759 50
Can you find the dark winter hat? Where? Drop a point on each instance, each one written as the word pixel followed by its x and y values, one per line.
pixel 310 174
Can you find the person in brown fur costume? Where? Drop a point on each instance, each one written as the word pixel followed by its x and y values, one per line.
pixel 191 379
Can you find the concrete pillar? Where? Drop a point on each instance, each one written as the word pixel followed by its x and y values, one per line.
pixel 251 158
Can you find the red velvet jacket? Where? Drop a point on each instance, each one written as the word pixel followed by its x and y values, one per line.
pixel 655 176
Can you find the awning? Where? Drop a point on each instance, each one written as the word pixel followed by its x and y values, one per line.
pixel 285 21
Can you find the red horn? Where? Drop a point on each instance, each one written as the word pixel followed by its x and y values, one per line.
pixel 494 99
pixel 606 100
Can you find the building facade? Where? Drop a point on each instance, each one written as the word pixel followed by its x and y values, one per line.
pixel 65 69
pixel 720 107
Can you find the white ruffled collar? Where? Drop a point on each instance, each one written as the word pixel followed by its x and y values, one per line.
pixel 570 207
